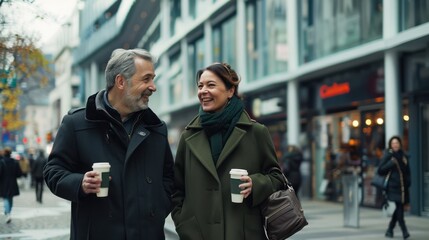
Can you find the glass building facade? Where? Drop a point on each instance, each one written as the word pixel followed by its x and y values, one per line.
pixel 413 13
pixel 335 25
pixel 326 75
pixel 266 38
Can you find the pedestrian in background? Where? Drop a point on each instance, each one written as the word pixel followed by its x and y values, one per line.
pixel 292 166
pixel 10 171
pixel 118 127
pixel 25 165
pixel 37 174
pixel 31 160
pixel 221 137
pixel 395 163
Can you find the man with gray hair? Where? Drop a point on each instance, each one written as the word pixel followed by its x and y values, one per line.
pixel 117 127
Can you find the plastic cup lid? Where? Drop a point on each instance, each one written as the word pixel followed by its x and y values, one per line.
pixel 238 171
pixel 100 164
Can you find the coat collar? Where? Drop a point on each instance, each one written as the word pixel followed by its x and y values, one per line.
pixel 96 111
pixel 199 145
pixel 243 121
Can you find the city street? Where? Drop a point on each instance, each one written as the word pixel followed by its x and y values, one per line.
pixel 47 221
pixel 31 220
pixel 50 221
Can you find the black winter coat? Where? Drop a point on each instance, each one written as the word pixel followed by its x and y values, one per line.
pixel 141 173
pixel 38 165
pixel 399 179
pixel 9 172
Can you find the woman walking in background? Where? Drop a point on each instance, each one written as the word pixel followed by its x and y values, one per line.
pixel 395 163
pixel 10 171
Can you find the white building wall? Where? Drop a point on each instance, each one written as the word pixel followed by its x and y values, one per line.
pixel 60 98
pixel 37 125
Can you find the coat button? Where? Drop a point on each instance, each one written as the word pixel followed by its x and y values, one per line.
pixel 148 180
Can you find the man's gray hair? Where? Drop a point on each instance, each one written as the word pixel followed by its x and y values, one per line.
pixel 122 62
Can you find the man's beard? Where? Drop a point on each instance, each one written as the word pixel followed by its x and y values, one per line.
pixel 137 103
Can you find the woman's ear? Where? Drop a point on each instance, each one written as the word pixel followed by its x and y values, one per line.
pixel 231 92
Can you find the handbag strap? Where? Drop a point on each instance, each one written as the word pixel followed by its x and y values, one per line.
pixel 386 179
pixel 286 183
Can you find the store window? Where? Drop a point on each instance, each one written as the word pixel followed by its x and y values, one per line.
pixel 225 42
pixel 329 26
pixel 176 79
pixel 413 13
pixel 175 16
pixel 266 36
pixel 349 135
pixel 351 142
pixel 424 153
pixel 196 57
pixel 337 142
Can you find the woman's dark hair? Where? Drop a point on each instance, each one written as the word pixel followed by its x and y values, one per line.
pixel 224 71
pixel 391 139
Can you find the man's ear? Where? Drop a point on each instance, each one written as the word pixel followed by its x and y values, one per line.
pixel 120 81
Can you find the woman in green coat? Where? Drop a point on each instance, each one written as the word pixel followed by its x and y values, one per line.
pixel 221 137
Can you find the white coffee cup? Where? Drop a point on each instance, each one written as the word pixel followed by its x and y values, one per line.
pixel 236 173
pixel 103 168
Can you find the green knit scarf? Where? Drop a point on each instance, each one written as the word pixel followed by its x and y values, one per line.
pixel 219 125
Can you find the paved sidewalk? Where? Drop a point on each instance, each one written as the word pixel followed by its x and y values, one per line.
pixel 326 221
pixel 51 221
pixel 48 221
pixel 32 220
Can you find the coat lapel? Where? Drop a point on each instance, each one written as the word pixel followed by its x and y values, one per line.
pixel 232 142
pixel 137 138
pixel 200 148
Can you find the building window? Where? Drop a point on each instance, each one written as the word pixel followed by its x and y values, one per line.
pixel 156 99
pixel 175 13
pixel 417 71
pixel 266 37
pixel 196 7
pixel 196 62
pixel 153 38
pixel 413 13
pixel 175 76
pixel 224 42
pixel 334 25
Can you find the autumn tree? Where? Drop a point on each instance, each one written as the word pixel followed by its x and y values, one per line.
pixel 23 68
pixel 21 63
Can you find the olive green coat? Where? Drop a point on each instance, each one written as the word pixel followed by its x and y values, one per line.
pixel 202 202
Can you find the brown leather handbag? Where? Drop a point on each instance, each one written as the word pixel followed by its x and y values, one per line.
pixel 282 213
